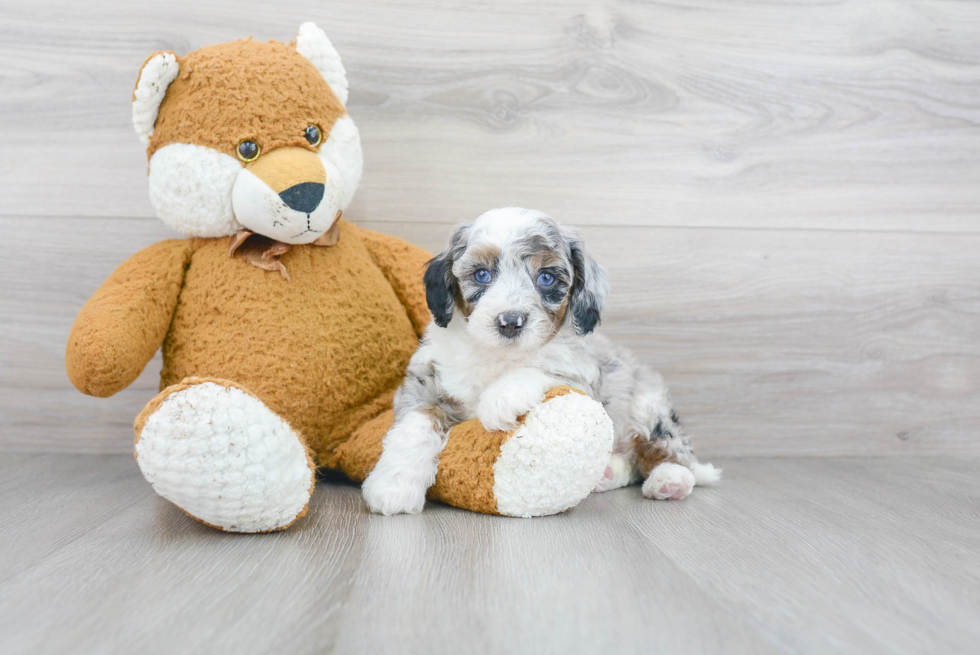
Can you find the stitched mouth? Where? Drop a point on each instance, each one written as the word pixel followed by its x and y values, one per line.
pixel 308 229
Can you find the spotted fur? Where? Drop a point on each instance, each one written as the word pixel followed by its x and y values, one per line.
pixel 468 366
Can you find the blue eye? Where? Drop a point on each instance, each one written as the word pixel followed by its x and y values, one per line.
pixel 482 276
pixel 546 279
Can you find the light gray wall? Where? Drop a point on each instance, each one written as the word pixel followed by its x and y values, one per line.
pixel 787 196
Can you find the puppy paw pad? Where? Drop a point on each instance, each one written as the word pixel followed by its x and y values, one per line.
pixel 669 482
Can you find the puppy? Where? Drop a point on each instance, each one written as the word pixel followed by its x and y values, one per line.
pixel 515 299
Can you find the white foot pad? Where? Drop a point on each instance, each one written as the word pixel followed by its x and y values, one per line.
pixel 223 457
pixel 669 481
pixel 555 459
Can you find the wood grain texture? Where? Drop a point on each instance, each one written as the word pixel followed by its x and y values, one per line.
pixel 787 555
pixel 774 342
pixel 785 194
pixel 833 115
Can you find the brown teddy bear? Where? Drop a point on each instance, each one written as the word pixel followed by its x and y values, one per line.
pixel 285 330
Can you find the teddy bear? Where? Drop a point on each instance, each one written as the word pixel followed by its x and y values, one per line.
pixel 285 330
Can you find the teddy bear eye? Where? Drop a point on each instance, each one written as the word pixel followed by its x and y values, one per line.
pixel 248 151
pixel 312 135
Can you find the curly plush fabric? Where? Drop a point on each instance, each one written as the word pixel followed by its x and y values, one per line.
pixel 124 322
pixel 282 356
pixel 158 71
pixel 259 475
pixel 216 86
pixel 312 43
pixel 405 270
pixel 325 351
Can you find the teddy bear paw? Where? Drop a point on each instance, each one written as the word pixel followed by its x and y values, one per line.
pixel 224 458
pixel 555 458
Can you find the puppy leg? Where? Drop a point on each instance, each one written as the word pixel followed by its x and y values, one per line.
pixel 512 395
pixel 668 463
pixel 620 472
pixel 659 458
pixel 407 467
pixel 669 481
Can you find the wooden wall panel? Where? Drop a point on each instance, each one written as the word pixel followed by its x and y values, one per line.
pixel 786 194
pixel 774 342
pixel 707 113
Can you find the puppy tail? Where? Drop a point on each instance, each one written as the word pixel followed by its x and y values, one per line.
pixel 705 475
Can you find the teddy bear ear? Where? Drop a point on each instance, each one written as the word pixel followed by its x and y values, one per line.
pixel 312 43
pixel 158 72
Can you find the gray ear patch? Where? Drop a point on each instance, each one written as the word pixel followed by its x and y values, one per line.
pixel 589 289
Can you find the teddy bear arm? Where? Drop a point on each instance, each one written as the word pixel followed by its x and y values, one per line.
pixel 125 321
pixel 403 266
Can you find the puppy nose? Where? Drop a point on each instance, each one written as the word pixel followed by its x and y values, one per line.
pixel 510 324
pixel 303 197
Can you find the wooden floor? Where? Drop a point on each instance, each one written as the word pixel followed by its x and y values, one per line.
pixel 785 195
pixel 788 555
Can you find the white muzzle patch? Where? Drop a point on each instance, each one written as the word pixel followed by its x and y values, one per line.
pixel 201 192
pixel 298 215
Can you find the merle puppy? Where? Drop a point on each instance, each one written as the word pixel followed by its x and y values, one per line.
pixel 515 299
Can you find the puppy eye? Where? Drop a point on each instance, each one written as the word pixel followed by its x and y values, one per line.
pixel 482 276
pixel 312 135
pixel 545 279
pixel 248 151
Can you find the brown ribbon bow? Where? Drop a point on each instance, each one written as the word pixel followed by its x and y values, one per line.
pixel 263 252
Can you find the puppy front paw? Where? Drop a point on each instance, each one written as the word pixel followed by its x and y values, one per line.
pixel 499 409
pixel 391 493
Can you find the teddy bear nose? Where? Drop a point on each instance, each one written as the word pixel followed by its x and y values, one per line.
pixel 303 197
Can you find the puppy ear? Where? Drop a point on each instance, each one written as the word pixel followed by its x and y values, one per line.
pixel 439 287
pixel 440 283
pixel 590 287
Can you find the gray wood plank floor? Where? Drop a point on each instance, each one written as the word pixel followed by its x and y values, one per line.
pixel 843 555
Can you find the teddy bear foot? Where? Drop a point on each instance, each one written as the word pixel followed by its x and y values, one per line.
pixel 555 458
pixel 224 458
